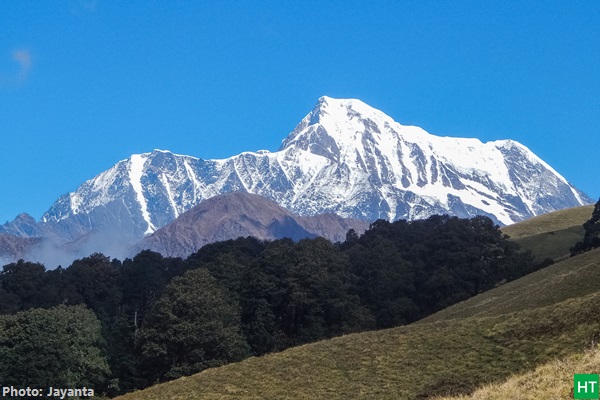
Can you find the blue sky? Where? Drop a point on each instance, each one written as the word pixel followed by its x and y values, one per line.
pixel 84 84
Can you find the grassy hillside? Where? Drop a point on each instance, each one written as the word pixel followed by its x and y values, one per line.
pixel 551 222
pixel 551 235
pixel 571 278
pixel 511 329
pixel 553 380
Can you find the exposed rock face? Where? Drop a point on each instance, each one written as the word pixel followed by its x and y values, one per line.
pixel 13 248
pixel 240 214
pixel 343 158
pixel 22 226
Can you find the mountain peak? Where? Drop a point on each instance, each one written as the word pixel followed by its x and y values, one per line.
pixel 340 109
pixel 334 124
pixel 344 157
pixel 23 225
pixel 326 101
pixel 25 218
pixel 241 214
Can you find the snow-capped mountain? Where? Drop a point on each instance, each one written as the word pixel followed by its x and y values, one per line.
pixel 344 157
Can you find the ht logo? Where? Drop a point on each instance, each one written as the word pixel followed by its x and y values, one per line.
pixel 585 386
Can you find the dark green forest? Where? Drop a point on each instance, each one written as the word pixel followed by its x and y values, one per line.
pixel 591 240
pixel 151 319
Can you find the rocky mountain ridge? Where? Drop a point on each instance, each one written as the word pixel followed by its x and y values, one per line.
pixel 240 214
pixel 344 158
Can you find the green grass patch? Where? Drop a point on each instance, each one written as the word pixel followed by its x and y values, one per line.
pixel 571 278
pixel 551 222
pixel 551 235
pixel 555 245
pixel 552 313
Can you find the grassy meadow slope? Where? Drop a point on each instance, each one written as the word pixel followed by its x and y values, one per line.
pixel 551 235
pixel 549 314
pixel 572 278
pixel 551 222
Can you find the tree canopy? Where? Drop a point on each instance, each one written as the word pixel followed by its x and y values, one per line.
pixel 155 318
pixel 195 325
pixel 591 240
pixel 60 347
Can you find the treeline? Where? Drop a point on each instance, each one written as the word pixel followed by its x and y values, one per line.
pixel 591 239
pixel 150 319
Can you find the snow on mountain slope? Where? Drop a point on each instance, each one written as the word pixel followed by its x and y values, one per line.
pixel 344 157
pixel 414 173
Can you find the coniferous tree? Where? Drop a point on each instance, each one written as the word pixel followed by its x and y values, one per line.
pixel 194 326
pixel 591 239
pixel 298 293
pixel 21 286
pixel 94 281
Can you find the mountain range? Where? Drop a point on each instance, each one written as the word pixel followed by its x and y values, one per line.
pixel 344 158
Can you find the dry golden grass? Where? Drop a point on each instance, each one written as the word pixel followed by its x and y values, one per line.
pixel 551 381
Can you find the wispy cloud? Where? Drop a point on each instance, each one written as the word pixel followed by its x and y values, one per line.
pixel 24 61
pixel 23 58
